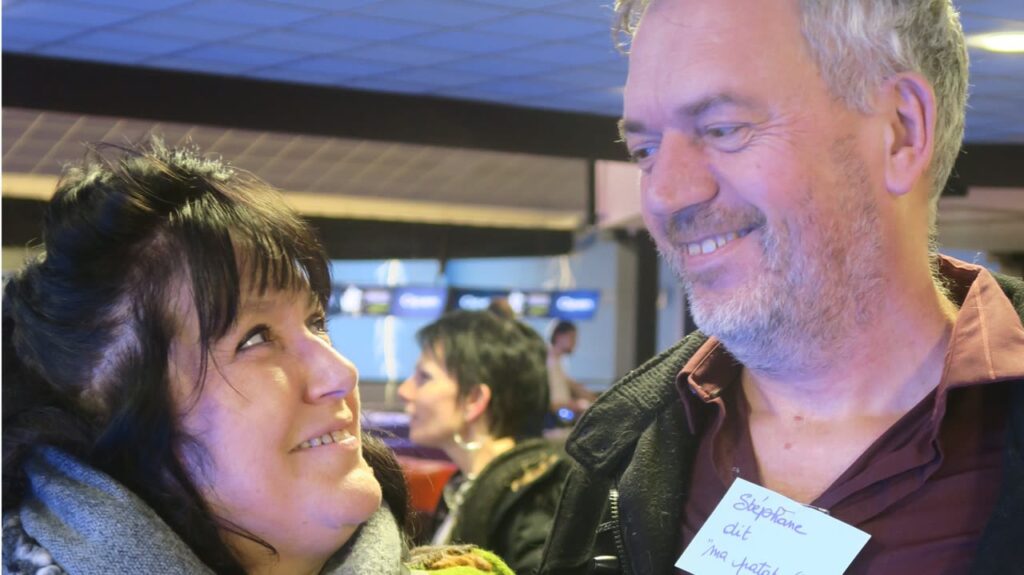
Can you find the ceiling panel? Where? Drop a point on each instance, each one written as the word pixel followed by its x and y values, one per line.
pixel 41 143
pixel 550 54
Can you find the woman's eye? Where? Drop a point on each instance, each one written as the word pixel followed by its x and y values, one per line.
pixel 255 336
pixel 318 323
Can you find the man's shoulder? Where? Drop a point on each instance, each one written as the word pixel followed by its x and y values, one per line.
pixel 1013 287
pixel 617 419
pixel 646 385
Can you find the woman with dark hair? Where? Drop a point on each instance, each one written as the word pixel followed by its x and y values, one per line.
pixel 480 393
pixel 171 399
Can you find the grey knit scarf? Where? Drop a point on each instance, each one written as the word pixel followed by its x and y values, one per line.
pixel 79 520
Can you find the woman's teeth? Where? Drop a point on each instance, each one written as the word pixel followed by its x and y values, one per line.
pixel 327 439
pixel 708 245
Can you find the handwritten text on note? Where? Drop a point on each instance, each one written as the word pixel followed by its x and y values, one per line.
pixel 755 531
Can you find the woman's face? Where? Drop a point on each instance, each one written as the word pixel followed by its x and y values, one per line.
pixel 431 400
pixel 278 419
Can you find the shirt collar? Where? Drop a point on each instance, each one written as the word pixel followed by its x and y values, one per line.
pixel 987 341
pixel 705 376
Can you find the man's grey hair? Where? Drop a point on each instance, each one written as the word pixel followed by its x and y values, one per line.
pixel 858 44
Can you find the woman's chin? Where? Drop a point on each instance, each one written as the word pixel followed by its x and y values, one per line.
pixel 363 493
pixel 424 440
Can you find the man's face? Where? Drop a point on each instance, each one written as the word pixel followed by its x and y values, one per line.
pixel 758 188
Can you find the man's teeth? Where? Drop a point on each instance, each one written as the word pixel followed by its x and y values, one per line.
pixel 711 244
pixel 327 439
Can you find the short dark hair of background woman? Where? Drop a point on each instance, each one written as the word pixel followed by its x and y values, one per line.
pixel 508 356
pixel 87 326
pixel 479 392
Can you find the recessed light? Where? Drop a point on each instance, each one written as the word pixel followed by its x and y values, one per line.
pixel 998 41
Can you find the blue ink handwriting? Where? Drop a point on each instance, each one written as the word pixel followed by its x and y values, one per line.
pixel 776 515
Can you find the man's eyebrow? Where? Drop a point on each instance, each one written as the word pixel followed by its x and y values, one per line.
pixel 702 106
pixel 628 127
pixel 705 105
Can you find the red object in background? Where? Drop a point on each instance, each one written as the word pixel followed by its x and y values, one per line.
pixel 425 478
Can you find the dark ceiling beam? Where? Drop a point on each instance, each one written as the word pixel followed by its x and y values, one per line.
pixel 373 239
pixel 171 96
pixel 357 239
pixel 987 165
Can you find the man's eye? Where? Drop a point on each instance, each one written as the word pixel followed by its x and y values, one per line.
pixel 727 137
pixel 255 336
pixel 721 131
pixel 641 153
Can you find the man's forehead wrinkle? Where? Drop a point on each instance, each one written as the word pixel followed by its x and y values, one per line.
pixel 666 59
pixel 713 102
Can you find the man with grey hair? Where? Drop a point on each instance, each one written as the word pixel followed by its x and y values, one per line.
pixel 791 156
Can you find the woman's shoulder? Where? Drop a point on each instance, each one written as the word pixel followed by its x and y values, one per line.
pixel 523 466
pixel 456 560
pixel 517 484
pixel 21 553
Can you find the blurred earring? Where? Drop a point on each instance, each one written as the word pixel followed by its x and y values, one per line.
pixel 467 445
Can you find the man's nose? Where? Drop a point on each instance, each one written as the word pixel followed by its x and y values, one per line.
pixel 680 177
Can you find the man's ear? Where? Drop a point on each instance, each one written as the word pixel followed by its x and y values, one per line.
pixel 910 133
pixel 476 402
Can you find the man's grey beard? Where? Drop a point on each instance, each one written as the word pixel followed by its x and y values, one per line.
pixel 814 287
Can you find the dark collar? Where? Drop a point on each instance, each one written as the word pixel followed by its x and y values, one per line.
pixel 615 421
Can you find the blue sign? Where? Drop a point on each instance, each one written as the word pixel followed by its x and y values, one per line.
pixel 359 300
pixel 574 305
pixel 537 304
pixel 431 302
pixel 473 299
pixel 418 301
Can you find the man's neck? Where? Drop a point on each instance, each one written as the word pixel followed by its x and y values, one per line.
pixel 882 368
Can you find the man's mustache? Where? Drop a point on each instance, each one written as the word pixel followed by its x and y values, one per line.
pixel 699 221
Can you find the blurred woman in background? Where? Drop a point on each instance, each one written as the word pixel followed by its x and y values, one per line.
pixel 171 399
pixel 480 393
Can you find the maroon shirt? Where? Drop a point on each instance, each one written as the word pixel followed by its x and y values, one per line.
pixel 925 489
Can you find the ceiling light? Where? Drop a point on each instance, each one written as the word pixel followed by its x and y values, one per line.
pixel 998 41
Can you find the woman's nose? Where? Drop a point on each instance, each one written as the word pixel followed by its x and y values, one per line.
pixel 406 389
pixel 329 373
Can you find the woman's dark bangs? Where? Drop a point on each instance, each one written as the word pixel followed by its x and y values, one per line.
pixel 204 228
pixel 235 239
pixel 282 257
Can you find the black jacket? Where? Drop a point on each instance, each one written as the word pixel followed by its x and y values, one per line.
pixel 510 506
pixel 621 508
